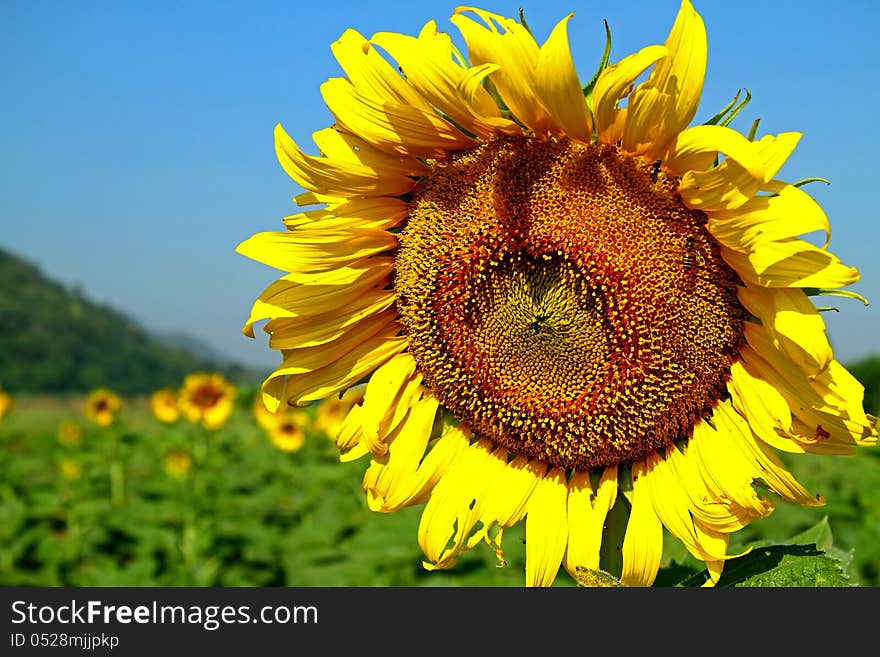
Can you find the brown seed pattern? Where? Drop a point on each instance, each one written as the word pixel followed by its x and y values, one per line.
pixel 561 300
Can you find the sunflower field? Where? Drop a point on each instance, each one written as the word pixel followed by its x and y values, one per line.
pixel 147 502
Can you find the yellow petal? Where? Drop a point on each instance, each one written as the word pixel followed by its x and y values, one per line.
pixel 714 509
pixel 643 541
pixel 768 413
pixel 695 149
pixel 343 372
pixel 405 448
pixel 325 176
pixel 725 473
pixel 676 83
pixel 515 53
pixel 506 501
pixel 789 213
pixel 613 85
pixel 558 87
pixel 388 388
pixel 673 508
pixel 587 510
pixel 833 424
pixel 391 126
pixel 370 74
pixel 794 325
pixel 546 529
pixel 303 360
pixel 326 292
pixel 790 263
pixel 730 184
pixel 455 505
pixel 342 146
pixel 416 488
pixel 378 213
pixel 349 439
pixel 316 250
pixel 427 62
pixel 313 330
pixel 767 465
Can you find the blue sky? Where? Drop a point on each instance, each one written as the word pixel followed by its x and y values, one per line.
pixel 137 136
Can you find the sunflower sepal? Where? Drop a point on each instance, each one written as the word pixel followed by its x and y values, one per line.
pixel 730 111
pixel 821 291
pixel 603 64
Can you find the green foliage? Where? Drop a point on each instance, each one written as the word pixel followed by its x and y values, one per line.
pixel 867 371
pixel 55 340
pixel 246 514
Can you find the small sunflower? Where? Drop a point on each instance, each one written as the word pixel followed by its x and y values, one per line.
pixel 568 304
pixel 287 431
pixel 331 412
pixel 178 463
pixel 285 428
pixel 102 406
pixel 69 469
pixel 69 433
pixel 207 399
pixel 7 404
pixel 163 403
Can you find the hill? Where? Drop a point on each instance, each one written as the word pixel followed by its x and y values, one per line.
pixel 55 340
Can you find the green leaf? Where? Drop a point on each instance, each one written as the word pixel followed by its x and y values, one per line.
pixel 784 566
pixel 808 559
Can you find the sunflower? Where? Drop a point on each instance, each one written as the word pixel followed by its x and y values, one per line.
pixel 178 463
pixel 163 402
pixel 102 406
pixel 69 469
pixel 570 307
pixel 287 430
pixel 331 412
pixel 69 433
pixel 207 399
pixel 6 404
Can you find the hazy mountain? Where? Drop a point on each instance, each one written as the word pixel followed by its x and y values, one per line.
pixel 55 339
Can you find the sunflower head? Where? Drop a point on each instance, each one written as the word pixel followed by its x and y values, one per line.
pixel 69 469
pixel 178 463
pixel 102 406
pixel 207 399
pixel 287 429
pixel 7 404
pixel 163 403
pixel 565 302
pixel 69 433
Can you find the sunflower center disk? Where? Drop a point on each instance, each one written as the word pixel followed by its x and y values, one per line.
pixel 561 300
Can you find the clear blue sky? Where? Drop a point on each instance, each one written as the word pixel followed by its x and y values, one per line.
pixel 136 137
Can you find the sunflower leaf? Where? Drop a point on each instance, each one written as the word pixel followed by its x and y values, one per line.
pixel 808 559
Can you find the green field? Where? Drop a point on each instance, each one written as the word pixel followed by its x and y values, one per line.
pixel 107 512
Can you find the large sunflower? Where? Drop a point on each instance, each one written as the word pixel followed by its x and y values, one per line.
pixel 566 310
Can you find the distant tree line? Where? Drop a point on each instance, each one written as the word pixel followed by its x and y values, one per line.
pixel 867 371
pixel 54 340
